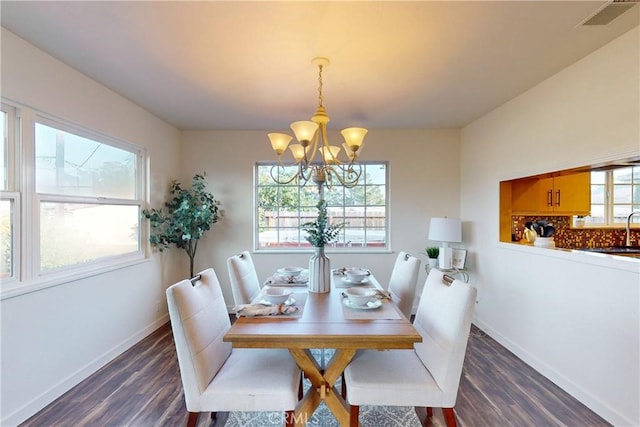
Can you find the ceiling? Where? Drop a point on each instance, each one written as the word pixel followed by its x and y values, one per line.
pixel 247 65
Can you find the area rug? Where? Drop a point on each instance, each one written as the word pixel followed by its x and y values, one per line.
pixel 370 416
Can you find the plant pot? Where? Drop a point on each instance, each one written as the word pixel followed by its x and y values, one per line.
pixel 319 272
pixel 433 262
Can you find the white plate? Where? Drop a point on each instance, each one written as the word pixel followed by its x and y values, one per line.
pixel 362 282
pixel 371 305
pixel 290 301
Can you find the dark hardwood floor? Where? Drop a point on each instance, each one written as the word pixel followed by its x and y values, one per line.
pixel 142 387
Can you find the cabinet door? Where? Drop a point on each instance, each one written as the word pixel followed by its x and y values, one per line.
pixel 524 195
pixel 572 193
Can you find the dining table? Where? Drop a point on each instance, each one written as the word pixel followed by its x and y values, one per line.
pixel 326 321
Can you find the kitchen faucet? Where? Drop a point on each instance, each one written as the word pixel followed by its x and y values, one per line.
pixel 628 239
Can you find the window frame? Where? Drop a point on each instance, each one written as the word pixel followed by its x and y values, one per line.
pixel 385 248
pixel 27 271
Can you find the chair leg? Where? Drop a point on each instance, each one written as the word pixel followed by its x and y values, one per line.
pixel 449 417
pixel 193 419
pixel 354 414
pixel 289 418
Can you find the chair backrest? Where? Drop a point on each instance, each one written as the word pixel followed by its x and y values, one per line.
pixel 244 279
pixel 402 285
pixel 199 320
pixel 443 318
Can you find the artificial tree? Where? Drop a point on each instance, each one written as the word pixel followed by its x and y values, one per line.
pixel 186 217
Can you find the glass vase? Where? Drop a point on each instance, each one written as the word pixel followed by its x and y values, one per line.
pixel 319 272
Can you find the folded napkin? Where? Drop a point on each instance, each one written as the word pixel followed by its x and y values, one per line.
pixel 264 310
pixel 287 280
pixel 380 294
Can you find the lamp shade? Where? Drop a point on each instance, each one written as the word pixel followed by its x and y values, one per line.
pixel 279 141
pixel 304 130
pixel 445 230
pixel 353 137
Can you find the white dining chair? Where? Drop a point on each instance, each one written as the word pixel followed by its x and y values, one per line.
pixel 216 377
pixel 245 284
pixel 403 281
pixel 429 375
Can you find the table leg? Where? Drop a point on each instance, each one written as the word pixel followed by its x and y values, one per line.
pixel 322 385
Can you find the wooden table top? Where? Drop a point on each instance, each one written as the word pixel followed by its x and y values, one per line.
pixel 322 325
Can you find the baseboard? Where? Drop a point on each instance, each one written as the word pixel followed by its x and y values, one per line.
pixel 583 396
pixel 39 402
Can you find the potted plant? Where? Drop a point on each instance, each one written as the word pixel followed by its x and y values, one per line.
pixel 432 254
pixel 188 215
pixel 319 233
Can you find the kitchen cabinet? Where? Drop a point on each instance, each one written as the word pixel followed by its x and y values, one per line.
pixel 560 195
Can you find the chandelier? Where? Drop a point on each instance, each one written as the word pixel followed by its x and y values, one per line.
pixel 312 139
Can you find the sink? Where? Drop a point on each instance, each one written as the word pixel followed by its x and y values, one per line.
pixel 615 250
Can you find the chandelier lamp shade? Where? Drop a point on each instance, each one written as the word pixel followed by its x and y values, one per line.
pixel 445 230
pixel 317 160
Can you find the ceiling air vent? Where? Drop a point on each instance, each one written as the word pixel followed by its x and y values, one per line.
pixel 610 11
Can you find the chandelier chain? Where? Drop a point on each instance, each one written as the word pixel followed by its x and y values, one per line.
pixel 320 98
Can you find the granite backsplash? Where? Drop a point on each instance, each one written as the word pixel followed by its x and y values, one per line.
pixel 574 238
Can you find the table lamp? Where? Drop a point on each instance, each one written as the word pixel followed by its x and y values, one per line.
pixel 445 230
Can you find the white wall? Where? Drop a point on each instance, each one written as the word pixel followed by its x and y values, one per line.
pixel 54 338
pixel 572 317
pixel 424 182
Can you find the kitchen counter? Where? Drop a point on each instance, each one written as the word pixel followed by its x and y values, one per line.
pixel 619 262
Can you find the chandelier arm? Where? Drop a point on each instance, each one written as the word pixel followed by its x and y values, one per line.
pixel 325 143
pixel 277 179
pixel 305 173
pixel 352 177
pixel 314 147
pixel 329 174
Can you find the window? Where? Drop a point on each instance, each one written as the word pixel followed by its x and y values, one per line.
pixel 88 196
pixel 73 207
pixel 282 209
pixel 615 194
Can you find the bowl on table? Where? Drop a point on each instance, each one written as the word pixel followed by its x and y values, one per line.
pixel 277 295
pixel 359 297
pixel 356 275
pixel 290 271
